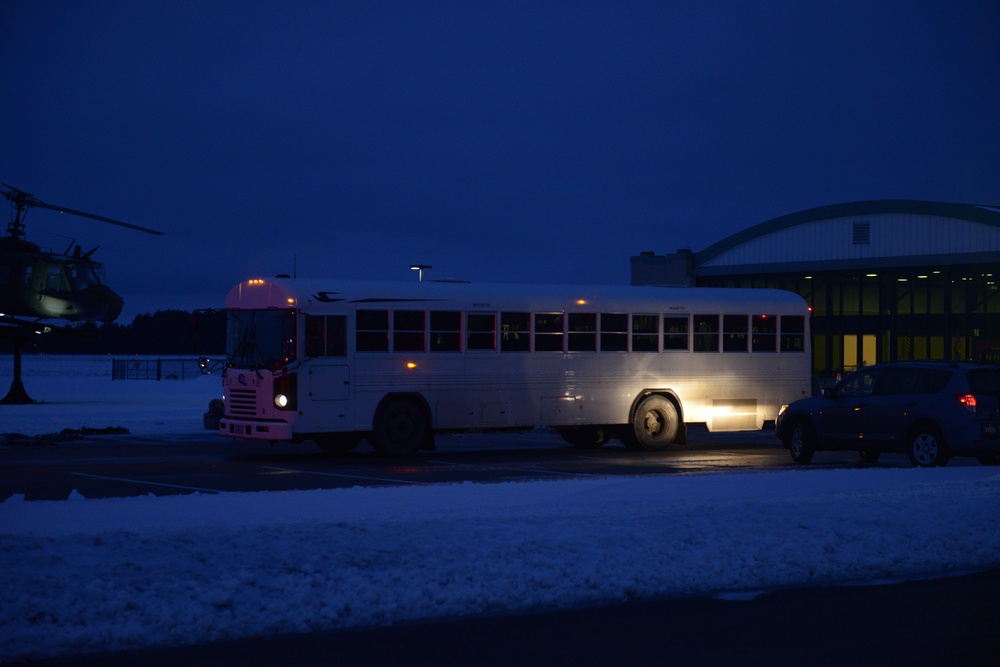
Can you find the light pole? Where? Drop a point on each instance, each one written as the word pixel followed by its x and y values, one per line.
pixel 420 269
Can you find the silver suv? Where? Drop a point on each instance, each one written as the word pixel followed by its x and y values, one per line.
pixel 931 410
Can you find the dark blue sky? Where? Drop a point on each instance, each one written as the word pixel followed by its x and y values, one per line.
pixel 524 142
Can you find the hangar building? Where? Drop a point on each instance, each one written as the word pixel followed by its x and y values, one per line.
pixel 886 280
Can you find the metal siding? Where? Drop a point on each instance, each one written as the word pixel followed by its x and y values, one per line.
pixel 892 235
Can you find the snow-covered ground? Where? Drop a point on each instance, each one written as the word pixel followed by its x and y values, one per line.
pixel 88 575
pixel 77 391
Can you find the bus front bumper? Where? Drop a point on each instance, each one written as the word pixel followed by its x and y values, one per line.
pixel 255 430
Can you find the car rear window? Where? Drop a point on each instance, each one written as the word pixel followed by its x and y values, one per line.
pixel 933 381
pixel 984 381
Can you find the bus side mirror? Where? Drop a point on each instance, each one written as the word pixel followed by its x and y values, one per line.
pixel 207 366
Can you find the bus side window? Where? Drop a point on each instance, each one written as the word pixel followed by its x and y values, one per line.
pixel 548 332
pixel 481 331
pixel 408 330
pixel 446 331
pixel 315 336
pixel 372 331
pixel 765 333
pixel 645 333
pixel 793 333
pixel 706 333
pixel 326 336
pixel 614 332
pixel 582 332
pixel 516 329
pixel 336 336
pixel 734 333
pixel 675 332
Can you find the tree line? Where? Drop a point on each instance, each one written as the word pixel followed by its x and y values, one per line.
pixel 164 332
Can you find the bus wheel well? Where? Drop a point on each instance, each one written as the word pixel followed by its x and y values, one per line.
pixel 665 393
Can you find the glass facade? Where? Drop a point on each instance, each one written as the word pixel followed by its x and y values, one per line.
pixel 867 316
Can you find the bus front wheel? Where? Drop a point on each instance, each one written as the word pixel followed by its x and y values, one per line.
pixel 655 425
pixel 400 428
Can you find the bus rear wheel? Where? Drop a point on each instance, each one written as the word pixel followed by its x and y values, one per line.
pixel 400 428
pixel 655 425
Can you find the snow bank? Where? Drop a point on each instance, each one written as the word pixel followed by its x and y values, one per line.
pixel 112 574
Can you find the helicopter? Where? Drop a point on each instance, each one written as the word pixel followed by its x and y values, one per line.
pixel 38 285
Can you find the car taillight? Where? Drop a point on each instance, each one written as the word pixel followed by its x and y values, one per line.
pixel 969 401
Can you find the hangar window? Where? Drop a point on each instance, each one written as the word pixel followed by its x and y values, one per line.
pixel 862 233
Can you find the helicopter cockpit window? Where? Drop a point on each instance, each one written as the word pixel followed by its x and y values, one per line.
pixel 55 279
pixel 261 338
pixel 85 275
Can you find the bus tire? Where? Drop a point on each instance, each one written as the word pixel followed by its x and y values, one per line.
pixel 400 428
pixel 655 424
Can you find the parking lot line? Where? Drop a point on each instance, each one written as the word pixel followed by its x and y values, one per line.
pixel 139 481
pixel 339 474
pixel 540 471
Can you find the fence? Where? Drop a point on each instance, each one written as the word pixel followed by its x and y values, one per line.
pixel 154 369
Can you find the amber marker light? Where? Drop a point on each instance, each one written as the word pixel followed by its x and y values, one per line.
pixel 410 365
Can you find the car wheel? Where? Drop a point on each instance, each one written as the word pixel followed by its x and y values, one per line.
pixel 926 447
pixel 802 441
pixel 869 455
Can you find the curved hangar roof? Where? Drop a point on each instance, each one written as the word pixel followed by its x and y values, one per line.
pixel 880 233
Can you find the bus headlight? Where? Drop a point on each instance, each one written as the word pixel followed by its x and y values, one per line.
pixel 286 391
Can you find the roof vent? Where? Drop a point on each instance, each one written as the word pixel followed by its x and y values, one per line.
pixel 862 233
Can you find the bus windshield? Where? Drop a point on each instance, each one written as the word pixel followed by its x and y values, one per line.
pixel 260 338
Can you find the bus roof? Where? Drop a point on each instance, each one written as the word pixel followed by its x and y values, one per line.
pixel 324 296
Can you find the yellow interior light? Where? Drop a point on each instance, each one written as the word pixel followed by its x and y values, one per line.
pixel 411 365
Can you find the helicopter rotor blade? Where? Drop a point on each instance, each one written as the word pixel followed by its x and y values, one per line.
pixel 82 214
pixel 13 190
pixel 23 200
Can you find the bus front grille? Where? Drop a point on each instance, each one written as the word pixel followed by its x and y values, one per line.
pixel 242 403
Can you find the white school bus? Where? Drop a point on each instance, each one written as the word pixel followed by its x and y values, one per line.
pixel 337 361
